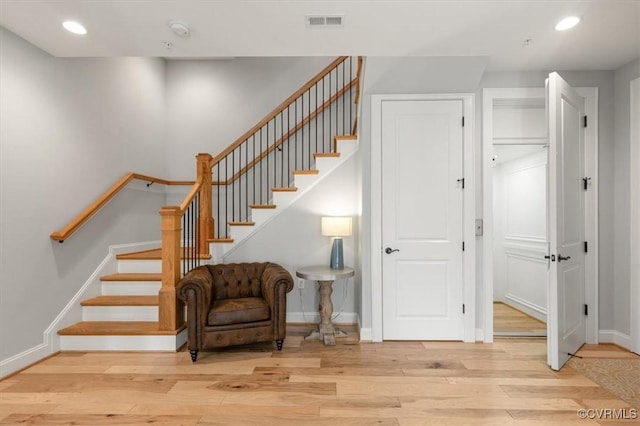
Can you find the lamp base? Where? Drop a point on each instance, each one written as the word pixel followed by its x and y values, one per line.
pixel 337 259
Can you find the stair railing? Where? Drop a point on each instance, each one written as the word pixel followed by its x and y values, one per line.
pixel 267 156
pixel 75 224
pixel 186 230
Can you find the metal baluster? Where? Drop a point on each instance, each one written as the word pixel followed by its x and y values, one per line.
pixel 330 106
pixel 350 93
pixel 267 152
pixel 316 117
pixel 282 150
pixel 343 97
pixel 254 168
pixel 246 180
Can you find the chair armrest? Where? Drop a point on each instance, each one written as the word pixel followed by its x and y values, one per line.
pixel 276 283
pixel 275 280
pixel 195 290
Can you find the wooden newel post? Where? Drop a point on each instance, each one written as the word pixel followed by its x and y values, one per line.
pixel 205 216
pixel 171 309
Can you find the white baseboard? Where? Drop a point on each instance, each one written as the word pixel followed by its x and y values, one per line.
pixel 364 332
pixel 366 335
pixel 314 318
pixel 71 313
pixel 538 312
pixel 24 359
pixel 613 336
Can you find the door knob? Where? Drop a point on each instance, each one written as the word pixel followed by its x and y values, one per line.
pixel 561 258
pixel 389 250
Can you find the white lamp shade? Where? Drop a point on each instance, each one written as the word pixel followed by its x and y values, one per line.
pixel 336 226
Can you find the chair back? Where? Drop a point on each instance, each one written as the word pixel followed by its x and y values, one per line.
pixel 237 280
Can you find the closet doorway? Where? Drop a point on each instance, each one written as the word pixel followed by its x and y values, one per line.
pixel 520 197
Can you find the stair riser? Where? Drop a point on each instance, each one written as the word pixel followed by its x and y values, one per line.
pixel 123 343
pixel 283 199
pixel 305 181
pixel 325 165
pixel 120 313
pixel 131 288
pixel 259 216
pixel 239 233
pixel 139 266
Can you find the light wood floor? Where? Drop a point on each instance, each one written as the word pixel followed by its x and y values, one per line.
pixel 508 319
pixel 390 383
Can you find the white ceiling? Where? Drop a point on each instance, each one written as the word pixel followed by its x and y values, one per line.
pixel 607 37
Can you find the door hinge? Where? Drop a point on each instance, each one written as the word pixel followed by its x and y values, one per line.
pixel 463 310
pixel 586 310
pixel 463 121
pixel 463 246
pixel 586 180
pixel 461 182
pixel 584 123
pixel 586 247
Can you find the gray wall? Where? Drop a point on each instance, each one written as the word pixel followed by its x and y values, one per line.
pixel 212 103
pixel 69 129
pixel 621 195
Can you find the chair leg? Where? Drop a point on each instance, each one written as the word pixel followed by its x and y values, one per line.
pixel 194 355
pixel 279 344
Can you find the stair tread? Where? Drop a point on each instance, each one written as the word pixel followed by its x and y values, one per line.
pixel 262 206
pixel 154 254
pixel 144 254
pixel 326 154
pixel 285 189
pixel 306 172
pixel 346 137
pixel 121 301
pixel 116 328
pixel 241 223
pixel 220 240
pixel 132 277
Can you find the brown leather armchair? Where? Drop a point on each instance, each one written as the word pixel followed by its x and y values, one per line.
pixel 234 304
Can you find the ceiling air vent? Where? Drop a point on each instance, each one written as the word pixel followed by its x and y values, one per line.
pixel 324 21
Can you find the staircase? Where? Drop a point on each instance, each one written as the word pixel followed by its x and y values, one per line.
pixel 283 197
pixel 292 149
pixel 125 315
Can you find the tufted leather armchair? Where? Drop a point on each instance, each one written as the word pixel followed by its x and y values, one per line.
pixel 234 304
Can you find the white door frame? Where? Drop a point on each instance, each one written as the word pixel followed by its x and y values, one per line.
pixel 590 94
pixel 468 257
pixel 634 87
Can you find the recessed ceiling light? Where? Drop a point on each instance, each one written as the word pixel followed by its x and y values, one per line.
pixel 567 23
pixel 74 27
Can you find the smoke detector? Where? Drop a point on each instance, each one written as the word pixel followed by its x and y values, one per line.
pixel 180 29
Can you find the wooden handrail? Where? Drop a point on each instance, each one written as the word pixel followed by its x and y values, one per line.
pixel 92 209
pixel 290 133
pixel 278 109
pixel 190 196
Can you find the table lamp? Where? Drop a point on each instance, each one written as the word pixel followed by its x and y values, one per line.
pixel 336 227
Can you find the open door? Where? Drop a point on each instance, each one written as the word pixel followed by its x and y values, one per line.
pixel 566 325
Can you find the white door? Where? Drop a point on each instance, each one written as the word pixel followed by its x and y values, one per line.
pixel 422 269
pixel 566 321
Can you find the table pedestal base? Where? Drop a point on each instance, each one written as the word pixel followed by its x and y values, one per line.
pixel 328 338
